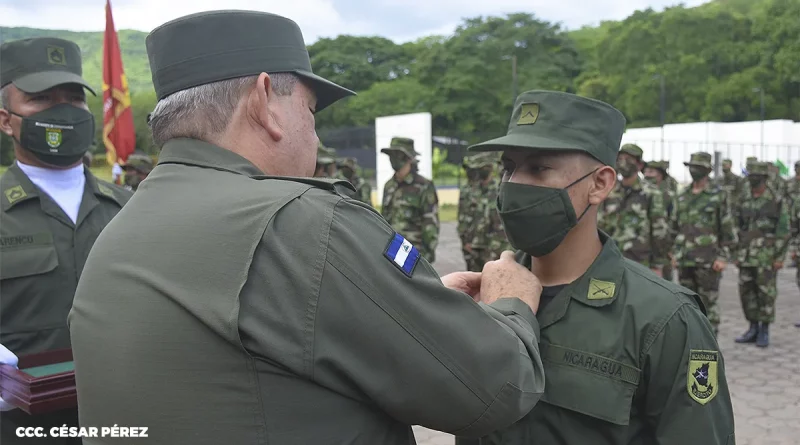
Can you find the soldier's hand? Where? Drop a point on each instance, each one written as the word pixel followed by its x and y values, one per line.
pixel 719 266
pixel 468 247
pixel 467 282
pixel 657 271
pixel 505 278
pixel 777 265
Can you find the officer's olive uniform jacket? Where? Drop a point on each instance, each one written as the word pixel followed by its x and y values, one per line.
pixel 261 310
pixel 616 345
pixel 42 253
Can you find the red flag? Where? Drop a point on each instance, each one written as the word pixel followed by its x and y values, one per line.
pixel 119 135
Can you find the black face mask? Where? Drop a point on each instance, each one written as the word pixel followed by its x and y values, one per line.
pixel 484 174
pixel 698 173
pixel 347 172
pixel 756 181
pixel 59 135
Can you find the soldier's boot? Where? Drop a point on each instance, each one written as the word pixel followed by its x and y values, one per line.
pixel 750 335
pixel 763 336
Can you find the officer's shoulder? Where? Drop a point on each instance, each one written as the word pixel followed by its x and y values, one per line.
pixel 113 191
pixel 646 289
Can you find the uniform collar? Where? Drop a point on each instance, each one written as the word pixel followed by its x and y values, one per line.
pixel 203 154
pixel 599 286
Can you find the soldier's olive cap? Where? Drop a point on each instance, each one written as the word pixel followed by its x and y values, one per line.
pixel 404 145
pixel 752 159
pixel 699 159
pixel 35 65
pixel 556 121
pixel 633 150
pixel 728 161
pixel 218 45
pixel 758 169
pixel 138 161
pixel 659 165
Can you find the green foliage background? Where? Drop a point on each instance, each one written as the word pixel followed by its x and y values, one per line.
pixel 711 56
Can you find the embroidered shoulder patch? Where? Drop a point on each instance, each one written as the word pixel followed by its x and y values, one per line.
pixel 15 193
pixel 701 377
pixel 402 254
pixel 600 290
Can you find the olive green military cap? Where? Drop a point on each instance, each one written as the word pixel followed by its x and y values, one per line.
pixel 752 159
pixel 139 161
pixel 659 165
pixel 38 64
pixel 633 150
pixel 699 159
pixel 218 45
pixel 727 161
pixel 556 121
pixel 404 145
pixel 758 169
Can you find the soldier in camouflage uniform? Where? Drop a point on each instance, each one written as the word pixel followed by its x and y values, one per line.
pixel 136 168
pixel 325 158
pixel 410 203
pixel 348 170
pixel 763 223
pixel 793 196
pixel 635 214
pixel 794 245
pixel 730 182
pixel 706 233
pixel 489 238
pixel 468 194
pixel 775 182
pixel 656 173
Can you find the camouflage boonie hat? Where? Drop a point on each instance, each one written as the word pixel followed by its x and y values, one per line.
pixel 658 165
pixel 751 159
pixel 351 163
pixel 758 169
pixel 483 159
pixel 404 145
pixel 325 155
pixel 140 162
pixel 633 150
pixel 556 121
pixel 38 64
pixel 699 159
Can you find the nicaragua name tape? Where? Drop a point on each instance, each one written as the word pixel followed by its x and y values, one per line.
pixel 402 254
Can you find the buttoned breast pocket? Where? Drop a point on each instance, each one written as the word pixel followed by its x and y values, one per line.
pixel 27 255
pixel 589 384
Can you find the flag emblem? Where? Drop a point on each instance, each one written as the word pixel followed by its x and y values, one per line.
pixel 402 254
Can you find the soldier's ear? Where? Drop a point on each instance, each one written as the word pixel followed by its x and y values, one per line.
pixel 602 182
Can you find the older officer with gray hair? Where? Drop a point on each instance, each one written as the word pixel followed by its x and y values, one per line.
pixel 239 300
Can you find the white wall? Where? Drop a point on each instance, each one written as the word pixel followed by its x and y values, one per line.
pixel 734 140
pixel 416 126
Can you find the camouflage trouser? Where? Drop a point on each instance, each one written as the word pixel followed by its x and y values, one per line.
pixel 758 291
pixel 469 258
pixel 705 282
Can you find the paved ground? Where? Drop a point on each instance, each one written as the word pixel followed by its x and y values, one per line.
pixel 765 384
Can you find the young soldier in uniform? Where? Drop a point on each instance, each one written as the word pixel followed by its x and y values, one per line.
pixel 629 357
pixel 468 195
pixel 238 300
pixel 705 234
pixel 763 222
pixel 348 169
pixel 488 240
pixel 730 182
pixel 136 168
pixel 410 203
pixel 635 214
pixel 52 207
pixel 656 173
pixel 324 160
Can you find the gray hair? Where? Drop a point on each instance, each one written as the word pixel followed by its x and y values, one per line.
pixel 5 96
pixel 205 111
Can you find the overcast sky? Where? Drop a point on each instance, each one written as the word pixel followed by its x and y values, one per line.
pixel 399 20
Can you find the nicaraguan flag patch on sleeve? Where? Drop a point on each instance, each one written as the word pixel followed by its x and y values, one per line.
pixel 402 254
